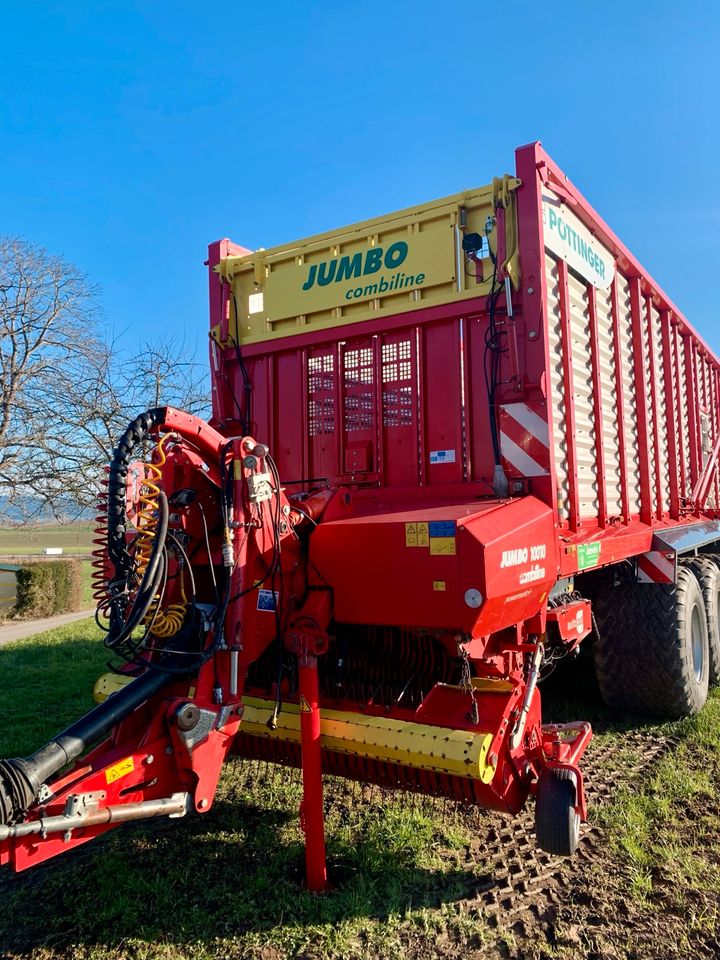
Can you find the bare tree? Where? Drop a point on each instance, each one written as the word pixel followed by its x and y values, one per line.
pixel 67 394
pixel 48 312
pixel 116 386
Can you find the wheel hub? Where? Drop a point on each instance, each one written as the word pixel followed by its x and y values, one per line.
pixel 697 643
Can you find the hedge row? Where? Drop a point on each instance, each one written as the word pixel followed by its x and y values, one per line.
pixel 47 588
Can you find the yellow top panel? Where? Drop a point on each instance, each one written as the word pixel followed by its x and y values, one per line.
pixel 400 262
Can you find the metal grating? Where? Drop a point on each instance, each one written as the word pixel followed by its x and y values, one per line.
pixel 358 385
pixel 397 376
pixel 321 394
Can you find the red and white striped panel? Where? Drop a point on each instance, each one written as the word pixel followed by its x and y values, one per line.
pixel 524 440
pixel 656 566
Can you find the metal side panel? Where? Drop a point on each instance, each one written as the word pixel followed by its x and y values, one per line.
pixel 556 398
pixel 662 412
pixel 583 398
pixel 682 387
pixel 373 269
pixel 647 389
pixel 611 445
pixel 689 536
pixel 632 465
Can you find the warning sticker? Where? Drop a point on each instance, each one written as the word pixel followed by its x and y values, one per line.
pixel 442 456
pixel 442 546
pixel 120 769
pixel 416 535
pixel 588 555
pixel 439 585
pixel 267 600
pixel 304 706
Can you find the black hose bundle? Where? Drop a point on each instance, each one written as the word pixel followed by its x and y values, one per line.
pixel 136 432
pixel 123 623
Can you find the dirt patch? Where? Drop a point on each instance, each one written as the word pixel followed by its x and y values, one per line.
pixel 546 907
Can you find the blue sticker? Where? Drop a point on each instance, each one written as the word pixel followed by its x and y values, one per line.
pixel 441 528
pixel 267 600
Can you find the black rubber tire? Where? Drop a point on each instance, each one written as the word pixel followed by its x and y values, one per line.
pixel 707 571
pixel 557 823
pixel 643 654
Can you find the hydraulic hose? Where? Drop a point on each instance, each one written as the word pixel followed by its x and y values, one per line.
pixel 150 585
pixel 136 432
pixel 21 778
pixel 121 626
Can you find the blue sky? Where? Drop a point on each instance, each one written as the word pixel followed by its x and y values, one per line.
pixel 135 133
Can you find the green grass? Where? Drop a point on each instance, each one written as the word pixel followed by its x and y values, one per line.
pixel 57 670
pixel 229 884
pixel 29 540
pixel 667 831
pixel 86 597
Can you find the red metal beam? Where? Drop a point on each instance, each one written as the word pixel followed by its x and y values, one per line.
pixel 368 328
pixel 377 349
pixel 421 422
pixel 465 367
pixel 305 400
pixel 620 401
pixel 641 404
pixel 715 426
pixel 654 407
pixel 702 487
pixel 692 401
pixel 670 414
pixel 313 816
pixel 531 240
pixel 680 421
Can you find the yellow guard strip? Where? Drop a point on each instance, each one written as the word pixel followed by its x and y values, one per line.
pixel 459 753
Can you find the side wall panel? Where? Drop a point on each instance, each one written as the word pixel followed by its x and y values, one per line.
pixel 557 388
pixel 610 436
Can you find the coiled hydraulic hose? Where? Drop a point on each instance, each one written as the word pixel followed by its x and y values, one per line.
pixel 122 624
pixel 164 622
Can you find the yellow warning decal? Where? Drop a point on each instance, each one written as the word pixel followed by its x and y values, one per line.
pixel 305 706
pixel 120 769
pixel 416 535
pixel 442 546
pixel 439 585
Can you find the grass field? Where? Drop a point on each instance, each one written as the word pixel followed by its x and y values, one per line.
pixel 229 884
pixel 72 537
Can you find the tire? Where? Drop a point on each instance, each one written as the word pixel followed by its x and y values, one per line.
pixel 557 822
pixel 652 653
pixel 707 571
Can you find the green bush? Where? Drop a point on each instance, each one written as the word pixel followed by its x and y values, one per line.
pixel 47 588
